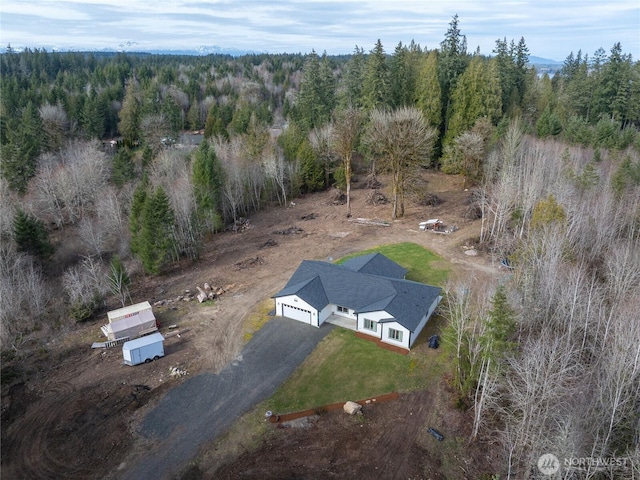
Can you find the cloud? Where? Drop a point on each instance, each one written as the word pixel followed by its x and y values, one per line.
pixel 551 28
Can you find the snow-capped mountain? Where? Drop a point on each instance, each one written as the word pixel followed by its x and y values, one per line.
pixel 131 46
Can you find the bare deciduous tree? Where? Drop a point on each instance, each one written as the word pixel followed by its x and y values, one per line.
pixel 275 168
pixel 95 236
pixel 344 139
pixel 67 186
pixel 401 140
pixel 320 139
pixel 55 124
pixel 154 129
pixel 86 285
pixel 23 293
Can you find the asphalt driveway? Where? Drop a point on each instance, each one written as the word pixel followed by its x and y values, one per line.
pixel 203 407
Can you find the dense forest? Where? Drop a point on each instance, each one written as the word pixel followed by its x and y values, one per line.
pixel 548 361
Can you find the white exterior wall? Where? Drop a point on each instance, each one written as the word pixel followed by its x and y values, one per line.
pixel 396 326
pixel 416 334
pixel 376 317
pixel 424 320
pixel 351 314
pixel 296 301
pixel 325 313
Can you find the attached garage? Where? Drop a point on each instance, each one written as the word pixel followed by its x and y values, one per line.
pixel 296 313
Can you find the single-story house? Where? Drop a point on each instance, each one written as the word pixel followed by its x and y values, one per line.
pixel 130 322
pixel 369 291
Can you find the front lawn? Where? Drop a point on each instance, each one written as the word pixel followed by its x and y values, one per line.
pixel 344 367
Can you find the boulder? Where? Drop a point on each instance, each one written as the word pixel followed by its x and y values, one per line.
pixel 207 287
pixel 352 407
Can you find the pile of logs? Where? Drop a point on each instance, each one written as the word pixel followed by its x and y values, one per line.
pixel 202 294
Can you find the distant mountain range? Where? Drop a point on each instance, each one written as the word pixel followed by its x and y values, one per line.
pixel 134 47
pixel 533 60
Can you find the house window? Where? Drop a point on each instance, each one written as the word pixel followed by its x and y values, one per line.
pixel 342 309
pixel 395 334
pixel 370 324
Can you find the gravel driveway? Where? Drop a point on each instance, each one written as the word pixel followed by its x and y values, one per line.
pixel 203 407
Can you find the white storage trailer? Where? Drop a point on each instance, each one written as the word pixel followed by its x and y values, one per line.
pixel 143 349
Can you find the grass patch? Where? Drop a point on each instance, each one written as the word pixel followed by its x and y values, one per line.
pixel 257 318
pixel 345 367
pixel 423 265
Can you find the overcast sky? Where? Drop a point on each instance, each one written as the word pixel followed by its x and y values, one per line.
pixel 551 28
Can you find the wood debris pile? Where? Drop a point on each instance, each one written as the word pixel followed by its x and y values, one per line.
pixel 240 225
pixel 206 292
pixel 289 231
pixel 376 198
pixel 249 263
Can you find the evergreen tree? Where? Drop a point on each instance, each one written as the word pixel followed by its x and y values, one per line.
pixel 548 124
pixel 578 85
pixel 376 89
pixel 452 61
pixel 477 94
pixel 31 235
pixel 626 176
pixel 316 98
pixel 290 140
pixel 241 118
pixel 501 326
pixel 23 145
pixel 547 212
pixel 353 79
pixel 521 59
pixel 401 78
pixel 207 180
pixel 122 170
pixel 129 124
pixel 327 88
pixel 511 62
pixel 617 84
pixel 174 114
pixel 256 139
pixel 312 171
pixel 428 93
pixel 93 116
pixel 218 117
pixel 193 116
pixel 155 240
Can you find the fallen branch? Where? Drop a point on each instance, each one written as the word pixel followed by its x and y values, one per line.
pixel 367 221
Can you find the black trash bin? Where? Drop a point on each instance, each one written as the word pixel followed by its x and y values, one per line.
pixel 436 434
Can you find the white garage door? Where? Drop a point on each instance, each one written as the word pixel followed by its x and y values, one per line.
pixel 296 313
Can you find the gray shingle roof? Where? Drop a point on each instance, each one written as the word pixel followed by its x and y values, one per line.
pixel 376 264
pixel 321 283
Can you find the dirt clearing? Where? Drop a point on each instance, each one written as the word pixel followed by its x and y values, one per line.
pixel 73 412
